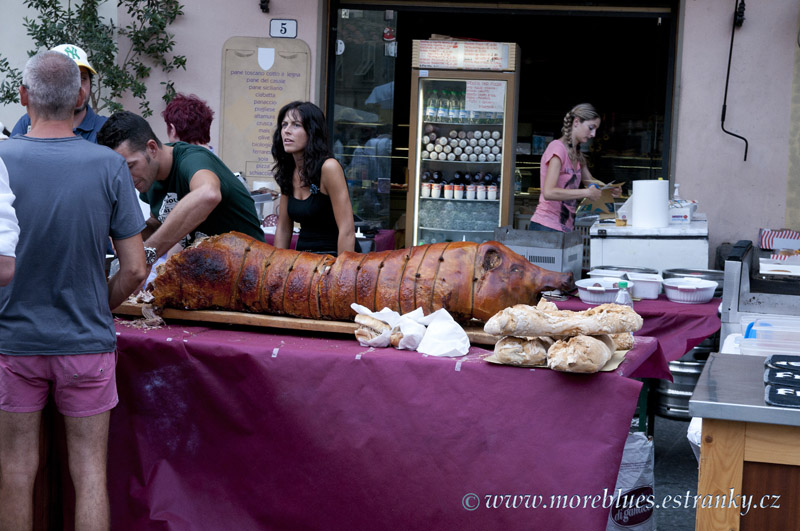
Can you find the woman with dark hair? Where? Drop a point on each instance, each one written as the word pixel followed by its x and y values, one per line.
pixel 312 183
pixel 188 119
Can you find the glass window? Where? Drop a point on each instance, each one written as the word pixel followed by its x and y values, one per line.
pixel 364 71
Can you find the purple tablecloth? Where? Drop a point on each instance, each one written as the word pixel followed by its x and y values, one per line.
pixel 230 429
pixel 384 240
pixel 677 327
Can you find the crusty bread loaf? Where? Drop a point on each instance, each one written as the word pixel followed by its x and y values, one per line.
pixel 522 351
pixel 527 321
pixel 585 354
pixel 623 341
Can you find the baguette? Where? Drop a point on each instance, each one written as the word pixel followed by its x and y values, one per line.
pixel 527 321
pixel 585 354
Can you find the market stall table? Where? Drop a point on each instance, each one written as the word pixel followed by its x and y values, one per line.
pixel 235 429
pixel 383 241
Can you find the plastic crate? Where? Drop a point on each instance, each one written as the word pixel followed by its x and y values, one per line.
pixel 556 251
pixel 583 225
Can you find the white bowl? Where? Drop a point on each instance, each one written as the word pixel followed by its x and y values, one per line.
pixel 647 286
pixel 599 290
pixel 689 290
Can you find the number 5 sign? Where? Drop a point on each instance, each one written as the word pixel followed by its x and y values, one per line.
pixel 283 28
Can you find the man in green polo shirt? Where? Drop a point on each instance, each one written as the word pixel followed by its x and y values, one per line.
pixel 190 191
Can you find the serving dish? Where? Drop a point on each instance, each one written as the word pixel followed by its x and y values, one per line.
pixel 688 290
pixel 599 290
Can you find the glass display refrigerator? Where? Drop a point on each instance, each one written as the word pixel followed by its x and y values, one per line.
pixel 463 128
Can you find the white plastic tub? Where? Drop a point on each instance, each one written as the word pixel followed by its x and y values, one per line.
pixel 689 290
pixel 599 290
pixel 772 328
pixel 764 347
pixel 606 273
pixel 646 286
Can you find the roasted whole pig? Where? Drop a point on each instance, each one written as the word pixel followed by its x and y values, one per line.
pixel 235 272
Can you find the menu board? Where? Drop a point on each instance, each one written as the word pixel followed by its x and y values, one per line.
pixel 259 76
pixel 463 55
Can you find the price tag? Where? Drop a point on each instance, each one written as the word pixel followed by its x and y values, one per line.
pixel 283 28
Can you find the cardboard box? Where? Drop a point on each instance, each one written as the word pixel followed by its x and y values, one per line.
pixel 778 239
pixel 682 214
pixel 554 251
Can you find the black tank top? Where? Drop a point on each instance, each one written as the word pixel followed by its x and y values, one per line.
pixel 318 230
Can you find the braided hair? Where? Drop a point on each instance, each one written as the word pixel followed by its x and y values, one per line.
pixel 583 112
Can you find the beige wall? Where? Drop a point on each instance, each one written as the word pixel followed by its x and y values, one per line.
pixel 738 196
pixel 15 43
pixel 200 35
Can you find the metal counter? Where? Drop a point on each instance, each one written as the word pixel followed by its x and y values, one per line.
pixel 731 387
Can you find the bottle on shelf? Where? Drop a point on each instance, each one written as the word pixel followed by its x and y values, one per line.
pixel 452 107
pixel 441 107
pixel 432 106
pixel 623 295
pixel 517 181
pixel 463 115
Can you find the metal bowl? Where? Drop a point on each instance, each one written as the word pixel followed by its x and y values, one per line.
pixel 706 274
pixel 632 269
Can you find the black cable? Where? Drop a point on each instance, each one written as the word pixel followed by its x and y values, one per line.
pixel 738 20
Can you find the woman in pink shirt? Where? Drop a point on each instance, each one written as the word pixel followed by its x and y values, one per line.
pixel 564 169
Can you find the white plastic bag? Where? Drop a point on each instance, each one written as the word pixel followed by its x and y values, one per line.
pixel 634 499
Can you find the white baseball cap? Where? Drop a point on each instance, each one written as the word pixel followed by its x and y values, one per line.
pixel 76 54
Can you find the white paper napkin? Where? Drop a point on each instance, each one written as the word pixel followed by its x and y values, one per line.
pixel 436 334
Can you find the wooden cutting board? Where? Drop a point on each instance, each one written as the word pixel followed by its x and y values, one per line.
pixel 474 331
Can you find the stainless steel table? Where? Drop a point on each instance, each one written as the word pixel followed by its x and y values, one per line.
pixel 750 456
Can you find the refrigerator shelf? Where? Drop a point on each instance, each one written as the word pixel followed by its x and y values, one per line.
pixel 434 122
pixel 461 200
pixel 465 162
pixel 457 230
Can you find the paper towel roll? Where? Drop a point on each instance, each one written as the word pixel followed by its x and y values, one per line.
pixel 650 204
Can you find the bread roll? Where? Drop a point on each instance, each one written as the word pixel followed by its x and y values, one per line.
pixel 623 341
pixel 586 354
pixel 370 327
pixel 396 337
pixel 521 351
pixel 527 321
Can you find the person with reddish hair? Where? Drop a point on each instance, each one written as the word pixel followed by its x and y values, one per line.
pixel 188 119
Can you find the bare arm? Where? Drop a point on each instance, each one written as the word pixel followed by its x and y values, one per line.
pixel 334 184
pixel 152 225
pixel 191 211
pixel 588 179
pixel 7 264
pixel 132 270
pixel 283 229
pixel 552 192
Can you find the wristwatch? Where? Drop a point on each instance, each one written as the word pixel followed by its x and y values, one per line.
pixel 150 255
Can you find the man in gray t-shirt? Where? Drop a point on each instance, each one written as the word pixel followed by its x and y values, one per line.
pixel 56 330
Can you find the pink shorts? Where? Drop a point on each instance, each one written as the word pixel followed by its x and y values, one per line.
pixel 82 384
